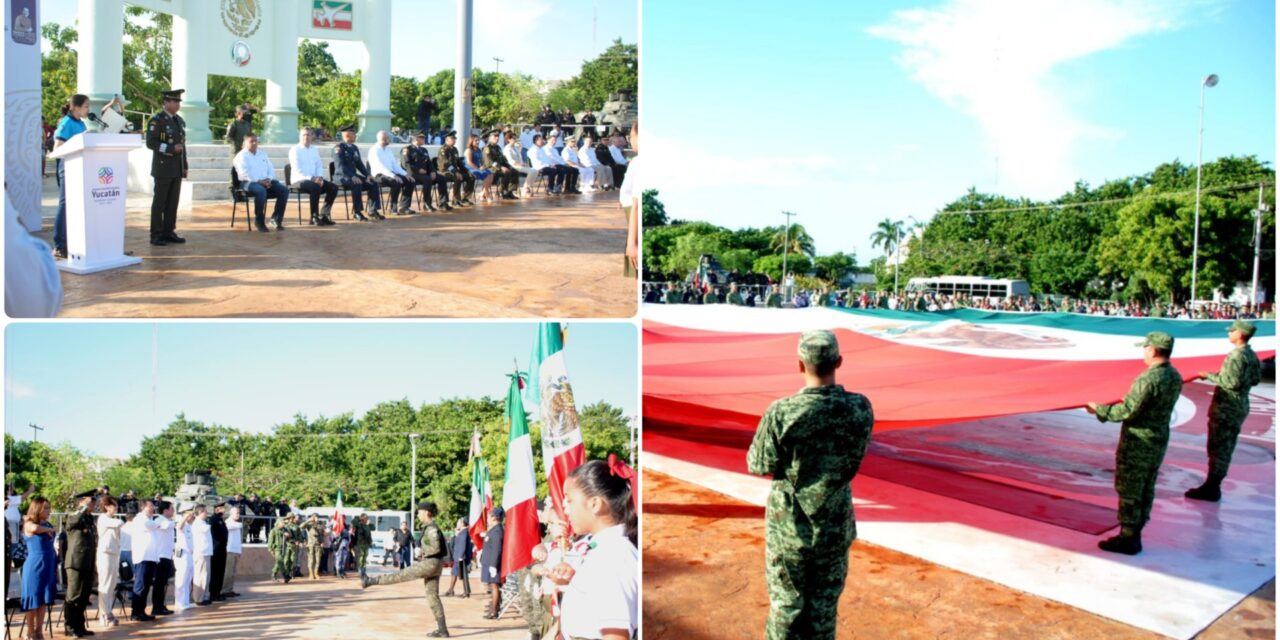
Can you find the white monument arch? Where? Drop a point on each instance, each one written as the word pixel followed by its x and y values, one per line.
pixel 249 39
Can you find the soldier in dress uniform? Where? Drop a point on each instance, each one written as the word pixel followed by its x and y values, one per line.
pixel 349 170
pixel 812 443
pixel 80 563
pixel 167 139
pixel 495 161
pixel 434 551
pixel 449 165
pixel 417 161
pixel 1144 437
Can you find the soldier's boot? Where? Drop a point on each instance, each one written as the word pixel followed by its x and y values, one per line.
pixel 1210 491
pixel 365 581
pixel 1129 542
pixel 440 632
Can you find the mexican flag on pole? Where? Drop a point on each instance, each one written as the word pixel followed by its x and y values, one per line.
pixel 519 491
pixel 339 520
pixel 562 449
pixel 481 494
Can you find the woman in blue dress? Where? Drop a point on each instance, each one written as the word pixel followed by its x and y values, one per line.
pixel 71 125
pixel 475 164
pixel 40 571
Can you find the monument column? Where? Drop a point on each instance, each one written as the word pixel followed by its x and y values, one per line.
pixel 375 85
pixel 462 85
pixel 100 67
pixel 190 70
pixel 281 110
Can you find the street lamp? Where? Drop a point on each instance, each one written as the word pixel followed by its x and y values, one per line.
pixel 413 478
pixel 786 240
pixel 1210 80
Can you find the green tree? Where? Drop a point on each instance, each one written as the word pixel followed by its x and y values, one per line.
pixel 616 69
pixel 655 213
pixel 771 265
pixel 796 240
pixel 57 70
pixel 834 268
pixel 886 235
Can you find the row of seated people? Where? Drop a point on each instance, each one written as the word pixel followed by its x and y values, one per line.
pixel 493 169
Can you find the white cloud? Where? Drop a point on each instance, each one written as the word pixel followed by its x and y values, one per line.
pixel 995 59
pixel 18 390
pixel 684 165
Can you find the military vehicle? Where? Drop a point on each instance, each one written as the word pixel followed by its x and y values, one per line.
pixel 618 114
pixel 198 487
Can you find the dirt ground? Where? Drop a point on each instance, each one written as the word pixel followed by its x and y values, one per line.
pixel 327 608
pixel 541 257
pixel 704 557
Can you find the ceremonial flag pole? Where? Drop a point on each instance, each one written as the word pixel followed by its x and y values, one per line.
pixel 562 449
pixel 519 492
pixel 481 494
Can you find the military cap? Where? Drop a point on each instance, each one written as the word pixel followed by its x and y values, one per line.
pixel 818 347
pixel 349 127
pixel 86 494
pixel 420 133
pixel 1243 326
pixel 174 94
pixel 1159 340
pixel 187 507
pixel 451 134
pixel 429 507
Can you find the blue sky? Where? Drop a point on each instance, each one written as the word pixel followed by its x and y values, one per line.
pixel 548 39
pixel 91 383
pixel 848 113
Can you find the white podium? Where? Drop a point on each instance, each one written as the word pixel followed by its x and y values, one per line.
pixel 96 167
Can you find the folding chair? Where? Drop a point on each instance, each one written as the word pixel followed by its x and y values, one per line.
pixel 238 195
pixel 537 179
pixel 510 594
pixel 343 189
pixel 288 182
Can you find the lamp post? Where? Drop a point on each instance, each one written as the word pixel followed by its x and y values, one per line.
pixel 1257 246
pixel 413 478
pixel 897 261
pixel 786 240
pixel 1210 80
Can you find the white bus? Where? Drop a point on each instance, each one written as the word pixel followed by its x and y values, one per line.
pixel 974 286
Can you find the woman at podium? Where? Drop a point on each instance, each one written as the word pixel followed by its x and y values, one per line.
pixel 71 125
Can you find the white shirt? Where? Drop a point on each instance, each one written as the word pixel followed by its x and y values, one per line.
pixel 570 156
pixel 616 152
pixel 631 187
pixel 526 139
pixel 306 163
pixel 32 286
pixel 143 542
pixel 201 538
pixel 109 535
pixel 587 156
pixel 164 538
pixel 382 162
pixel 184 540
pixel 14 512
pixel 540 157
pixel 233 535
pixel 252 167
pixel 512 152
pixel 605 590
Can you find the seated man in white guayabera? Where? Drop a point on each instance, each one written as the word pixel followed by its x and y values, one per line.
pixel 602 176
pixel 258 177
pixel 516 155
pixel 386 170
pixel 309 177
pixel 586 174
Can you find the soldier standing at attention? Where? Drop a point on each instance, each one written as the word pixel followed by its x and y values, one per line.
pixel 167 138
pixel 277 542
pixel 428 569
pixel 734 298
pixel 1240 372
pixel 350 170
pixel 315 545
pixel 363 540
pixel 1144 437
pixel 80 561
pixel 240 128
pixel 812 444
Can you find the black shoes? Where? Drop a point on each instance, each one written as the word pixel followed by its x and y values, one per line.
pixel 361 217
pixel 162 611
pixel 376 214
pixel 1208 492
pixel 278 223
pixel 158 241
pixel 60 254
pixel 142 617
pixel 76 633
pixel 1128 545
pixel 174 238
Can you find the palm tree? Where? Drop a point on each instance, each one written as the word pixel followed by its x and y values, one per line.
pixel 886 235
pixel 797 240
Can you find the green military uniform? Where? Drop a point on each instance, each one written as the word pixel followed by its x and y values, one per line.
pixel 1144 413
pixel 673 296
pixel 82 545
pixel 735 298
pixel 315 547
pixel 812 443
pixel 361 540
pixel 278 542
pixel 237 131
pixel 428 568
pixel 534 613
pixel 449 166
pixel 774 301
pixel 416 160
pixel 296 539
pixel 882 301
pixel 710 297
pixel 1230 406
pixel 506 175
pixel 168 167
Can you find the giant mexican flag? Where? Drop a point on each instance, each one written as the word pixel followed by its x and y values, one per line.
pixel 519 490
pixel 562 449
pixel 481 494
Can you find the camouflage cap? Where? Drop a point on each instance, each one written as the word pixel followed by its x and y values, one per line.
pixel 1243 326
pixel 818 347
pixel 1159 340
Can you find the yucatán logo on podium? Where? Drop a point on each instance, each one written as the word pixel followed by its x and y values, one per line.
pixel 106 191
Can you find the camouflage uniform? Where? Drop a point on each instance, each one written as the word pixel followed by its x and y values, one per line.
pixel 735 298
pixel 315 546
pixel 710 297
pixel 428 568
pixel 773 301
pixel 362 539
pixel 812 444
pixel 673 296
pixel 1144 436
pixel 277 542
pixel 296 539
pixel 1240 372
